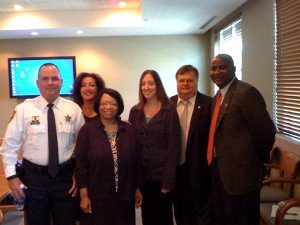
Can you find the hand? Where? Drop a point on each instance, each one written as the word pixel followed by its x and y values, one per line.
pixel 73 189
pixel 138 198
pixel 14 186
pixel 85 205
pixel 164 191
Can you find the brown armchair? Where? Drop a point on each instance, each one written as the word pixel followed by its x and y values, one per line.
pixel 287 170
pixel 279 188
pixel 284 206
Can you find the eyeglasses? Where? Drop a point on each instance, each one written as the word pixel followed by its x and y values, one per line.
pixel 112 104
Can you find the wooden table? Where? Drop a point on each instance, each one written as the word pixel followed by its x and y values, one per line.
pixel 4 189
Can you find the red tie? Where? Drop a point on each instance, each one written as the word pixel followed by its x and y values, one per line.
pixel 212 128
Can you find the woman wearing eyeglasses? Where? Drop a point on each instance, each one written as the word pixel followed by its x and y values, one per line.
pixel 106 165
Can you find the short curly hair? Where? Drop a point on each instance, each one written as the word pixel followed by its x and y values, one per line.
pixel 76 96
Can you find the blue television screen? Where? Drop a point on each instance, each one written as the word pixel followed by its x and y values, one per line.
pixel 23 73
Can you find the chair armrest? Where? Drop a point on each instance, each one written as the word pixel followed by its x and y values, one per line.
pixel 272 166
pixel 270 180
pixel 7 208
pixel 284 206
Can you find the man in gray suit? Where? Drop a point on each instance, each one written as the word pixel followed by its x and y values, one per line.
pixel 242 139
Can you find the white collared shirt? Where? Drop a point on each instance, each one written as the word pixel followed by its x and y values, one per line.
pixel 180 108
pixel 28 132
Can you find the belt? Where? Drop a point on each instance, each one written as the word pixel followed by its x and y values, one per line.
pixel 64 168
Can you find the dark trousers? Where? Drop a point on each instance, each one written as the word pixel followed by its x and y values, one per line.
pixel 48 197
pixel 156 207
pixel 233 209
pixel 109 211
pixel 191 207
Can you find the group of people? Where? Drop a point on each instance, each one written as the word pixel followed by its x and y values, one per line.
pixel 202 156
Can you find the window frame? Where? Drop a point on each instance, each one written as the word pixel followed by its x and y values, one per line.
pixel 223 42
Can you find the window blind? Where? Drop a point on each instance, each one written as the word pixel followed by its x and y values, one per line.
pixel 287 68
pixel 228 39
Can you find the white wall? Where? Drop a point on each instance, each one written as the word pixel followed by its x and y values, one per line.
pixel 119 60
pixel 258 47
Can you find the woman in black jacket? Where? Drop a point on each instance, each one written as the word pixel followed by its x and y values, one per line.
pixel 106 165
pixel 156 123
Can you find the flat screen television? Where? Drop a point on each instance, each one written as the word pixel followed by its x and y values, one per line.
pixel 23 73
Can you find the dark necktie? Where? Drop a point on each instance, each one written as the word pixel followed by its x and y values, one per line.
pixel 53 165
pixel 212 128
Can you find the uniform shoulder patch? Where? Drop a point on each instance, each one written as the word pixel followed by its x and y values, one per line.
pixel 12 116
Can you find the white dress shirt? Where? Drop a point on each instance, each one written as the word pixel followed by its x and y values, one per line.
pixel 184 135
pixel 27 131
pixel 180 108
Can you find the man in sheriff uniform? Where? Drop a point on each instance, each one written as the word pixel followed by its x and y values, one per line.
pixel 48 195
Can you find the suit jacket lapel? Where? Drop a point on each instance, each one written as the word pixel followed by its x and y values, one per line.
pixel 195 116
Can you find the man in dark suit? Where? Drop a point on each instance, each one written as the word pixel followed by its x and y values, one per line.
pixel 242 139
pixel 192 191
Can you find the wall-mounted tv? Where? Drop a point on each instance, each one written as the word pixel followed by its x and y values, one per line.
pixel 23 73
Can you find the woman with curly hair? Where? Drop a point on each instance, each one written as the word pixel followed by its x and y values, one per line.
pixel 86 88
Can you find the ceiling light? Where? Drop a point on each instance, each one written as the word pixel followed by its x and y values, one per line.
pixel 122 4
pixel 25 21
pixel 18 7
pixel 79 32
pixel 34 33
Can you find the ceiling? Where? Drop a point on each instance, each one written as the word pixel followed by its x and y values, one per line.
pixel 62 18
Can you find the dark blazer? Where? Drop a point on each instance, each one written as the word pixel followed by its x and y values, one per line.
pixel 95 165
pixel 159 143
pixel 243 138
pixel 198 175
